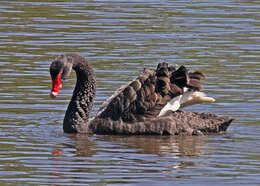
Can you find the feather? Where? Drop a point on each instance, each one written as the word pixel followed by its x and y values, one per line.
pixel 172 105
pixel 190 97
pixel 196 98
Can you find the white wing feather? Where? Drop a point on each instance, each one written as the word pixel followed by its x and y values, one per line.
pixel 173 105
pixel 189 98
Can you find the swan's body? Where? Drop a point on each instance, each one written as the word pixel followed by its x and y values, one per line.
pixel 147 105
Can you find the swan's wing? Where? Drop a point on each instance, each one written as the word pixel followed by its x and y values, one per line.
pixel 133 86
pixel 148 94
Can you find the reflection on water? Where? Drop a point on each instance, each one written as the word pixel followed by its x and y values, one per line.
pixel 120 38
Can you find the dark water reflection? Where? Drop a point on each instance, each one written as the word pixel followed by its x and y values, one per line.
pixel 120 38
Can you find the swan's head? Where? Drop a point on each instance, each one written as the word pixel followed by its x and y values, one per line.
pixel 60 69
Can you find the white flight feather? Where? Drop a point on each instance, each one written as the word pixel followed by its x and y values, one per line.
pixel 189 98
pixel 173 105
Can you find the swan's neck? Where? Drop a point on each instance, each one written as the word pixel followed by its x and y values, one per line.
pixel 81 102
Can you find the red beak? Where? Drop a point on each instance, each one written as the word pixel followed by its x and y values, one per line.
pixel 56 85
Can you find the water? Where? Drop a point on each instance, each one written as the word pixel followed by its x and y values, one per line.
pixel 120 38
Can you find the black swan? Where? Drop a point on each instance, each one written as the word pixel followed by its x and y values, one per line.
pixel 147 105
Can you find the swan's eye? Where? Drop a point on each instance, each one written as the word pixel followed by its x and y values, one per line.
pixel 65 73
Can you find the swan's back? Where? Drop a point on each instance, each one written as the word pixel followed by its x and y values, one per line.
pixel 145 96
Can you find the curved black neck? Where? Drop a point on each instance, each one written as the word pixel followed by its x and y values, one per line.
pixel 81 102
